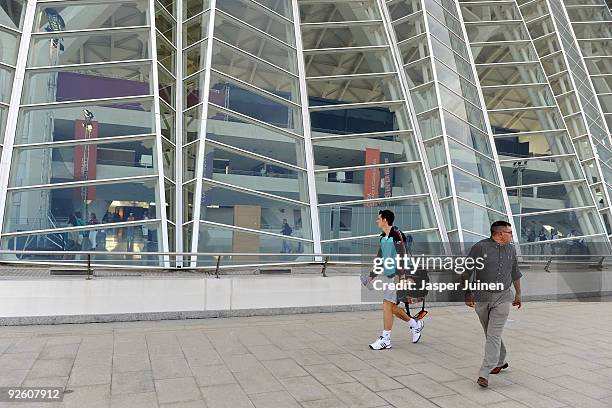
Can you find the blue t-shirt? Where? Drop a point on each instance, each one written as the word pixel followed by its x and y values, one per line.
pixel 387 248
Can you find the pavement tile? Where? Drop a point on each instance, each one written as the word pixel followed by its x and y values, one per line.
pixel 140 400
pixel 134 382
pixel 212 375
pixel 305 388
pixel 177 390
pixel 375 380
pixel 424 386
pixel 274 399
pixel 356 395
pixel 169 367
pixel 225 396
pixel 405 398
pixel 284 368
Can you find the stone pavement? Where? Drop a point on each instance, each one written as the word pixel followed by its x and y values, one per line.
pixel 560 355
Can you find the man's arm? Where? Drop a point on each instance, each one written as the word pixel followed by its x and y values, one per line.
pixel 516 281
pixel 475 253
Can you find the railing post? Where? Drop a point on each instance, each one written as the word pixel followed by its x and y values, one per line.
pixel 547 267
pixel 88 266
pixel 217 268
pixel 324 267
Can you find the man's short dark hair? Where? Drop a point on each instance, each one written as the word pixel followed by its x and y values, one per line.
pixel 499 224
pixel 387 215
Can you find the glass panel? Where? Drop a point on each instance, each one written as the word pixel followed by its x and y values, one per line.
pixel 496 31
pixel 414 49
pixel 190 157
pixel 167 121
pixel 467 134
pixel 448 212
pixel 248 101
pixel 281 7
pixel 165 25
pixel 255 73
pixel 60 207
pixel 188 200
pixel 75 48
pixel 510 74
pixel 353 90
pixel 233 208
pixel 490 12
pixel 419 73
pixel 462 108
pixel 581 222
pixel 424 98
pixel 478 191
pixel 516 97
pixel 478 219
pixel 58 123
pixel 527 120
pixel 14 18
pixel 347 185
pixel 496 53
pixel 344 221
pixel 401 8
pixel 167 85
pixel 193 7
pixel 595 48
pixel 65 164
pixel 166 54
pixel 541 171
pixel 80 15
pixel 75 84
pixel 232 168
pixel 348 11
pixel 168 161
pixel 9 44
pixel 534 145
pixel 430 124
pixel 409 28
pixel 195 58
pixel 6 84
pixel 448 38
pixel 436 152
pixel 473 162
pixel 426 242
pixel 357 62
pixel 348 36
pixel 545 198
pixel 361 120
pixel 257 139
pixel 268 49
pixel 196 29
pixel 3 119
pixel 137 238
pixel 257 17
pixel 350 152
pixel 227 240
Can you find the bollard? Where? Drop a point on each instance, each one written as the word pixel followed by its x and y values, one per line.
pixel 217 268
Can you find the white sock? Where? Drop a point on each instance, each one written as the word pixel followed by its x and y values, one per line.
pixel 386 334
pixel 412 323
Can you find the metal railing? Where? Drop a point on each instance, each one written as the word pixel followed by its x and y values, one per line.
pixel 216 262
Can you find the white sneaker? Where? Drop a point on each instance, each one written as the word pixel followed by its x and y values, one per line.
pixel 381 344
pixel 416 331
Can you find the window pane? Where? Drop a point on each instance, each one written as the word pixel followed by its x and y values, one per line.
pixel 57 123
pixel 128 45
pixel 66 164
pixel 343 221
pixel 55 208
pixel 75 84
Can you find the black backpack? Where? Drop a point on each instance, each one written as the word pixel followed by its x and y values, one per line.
pixel 418 276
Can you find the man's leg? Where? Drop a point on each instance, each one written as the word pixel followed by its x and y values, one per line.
pixel 388 315
pixel 497 316
pixel 502 355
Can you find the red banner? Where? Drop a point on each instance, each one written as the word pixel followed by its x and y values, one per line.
pixel 371 178
pixel 85 157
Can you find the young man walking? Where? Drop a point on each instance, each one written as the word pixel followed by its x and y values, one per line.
pixel 391 244
pixel 500 266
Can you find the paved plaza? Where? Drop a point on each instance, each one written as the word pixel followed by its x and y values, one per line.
pixel 560 355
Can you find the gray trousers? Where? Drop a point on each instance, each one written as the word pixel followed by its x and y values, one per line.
pixel 493 314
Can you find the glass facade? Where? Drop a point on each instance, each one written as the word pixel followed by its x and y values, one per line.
pixel 259 127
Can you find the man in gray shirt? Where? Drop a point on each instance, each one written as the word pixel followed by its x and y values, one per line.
pixel 498 266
